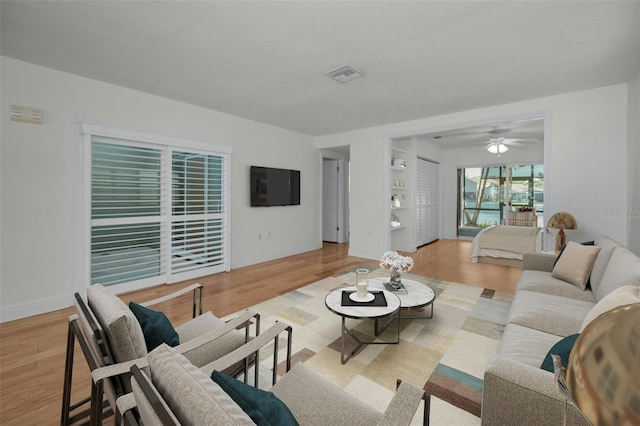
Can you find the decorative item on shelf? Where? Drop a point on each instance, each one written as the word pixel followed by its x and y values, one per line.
pixel 396 264
pixel 562 221
pixel 399 162
pixel 395 220
pixel 603 373
pixel 395 201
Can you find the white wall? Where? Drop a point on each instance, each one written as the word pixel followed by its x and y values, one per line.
pixel 585 162
pixel 633 160
pixel 36 175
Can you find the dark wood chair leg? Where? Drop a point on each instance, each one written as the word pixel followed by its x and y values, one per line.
pixel 68 373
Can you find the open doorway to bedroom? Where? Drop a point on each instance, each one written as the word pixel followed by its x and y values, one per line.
pixel 503 194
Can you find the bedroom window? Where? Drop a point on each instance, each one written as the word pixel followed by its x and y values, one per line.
pixel 482 192
pixel 157 212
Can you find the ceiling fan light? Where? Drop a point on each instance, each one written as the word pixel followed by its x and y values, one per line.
pixel 497 148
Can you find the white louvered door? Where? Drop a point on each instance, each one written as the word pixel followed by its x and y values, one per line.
pixel 427 201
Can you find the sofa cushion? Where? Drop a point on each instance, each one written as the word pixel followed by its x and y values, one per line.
pixel 120 325
pixel 543 282
pixel 623 269
pixel 575 264
pixel 606 249
pixel 549 313
pixel 562 349
pixel 192 396
pixel 619 297
pixel 307 395
pixel 263 407
pixel 526 345
pixel 156 327
pixel 213 349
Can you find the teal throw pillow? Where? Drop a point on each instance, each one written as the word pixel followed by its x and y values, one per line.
pixel 264 408
pixel 562 349
pixel 156 327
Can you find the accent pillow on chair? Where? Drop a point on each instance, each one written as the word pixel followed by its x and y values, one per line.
pixel 156 327
pixel 263 407
pixel 575 264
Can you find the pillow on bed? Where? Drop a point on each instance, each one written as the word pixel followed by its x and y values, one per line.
pixel 575 264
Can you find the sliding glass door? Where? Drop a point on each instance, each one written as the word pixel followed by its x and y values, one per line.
pixel 486 194
pixel 158 213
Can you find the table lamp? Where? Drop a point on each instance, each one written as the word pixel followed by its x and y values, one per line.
pixel 562 221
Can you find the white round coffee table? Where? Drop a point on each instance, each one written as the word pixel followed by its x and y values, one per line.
pixel 358 310
pixel 417 295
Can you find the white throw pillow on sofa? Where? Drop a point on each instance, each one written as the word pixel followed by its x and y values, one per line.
pixel 575 264
pixel 623 269
pixel 622 296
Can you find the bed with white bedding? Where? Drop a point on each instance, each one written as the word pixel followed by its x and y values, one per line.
pixel 504 244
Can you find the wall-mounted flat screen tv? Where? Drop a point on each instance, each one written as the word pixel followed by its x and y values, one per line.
pixel 274 187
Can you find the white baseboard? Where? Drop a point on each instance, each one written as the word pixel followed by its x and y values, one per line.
pixel 247 261
pixel 365 254
pixel 10 313
pixel 42 306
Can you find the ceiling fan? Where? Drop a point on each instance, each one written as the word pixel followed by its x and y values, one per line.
pixel 499 145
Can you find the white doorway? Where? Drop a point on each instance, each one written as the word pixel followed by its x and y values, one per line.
pixel 335 196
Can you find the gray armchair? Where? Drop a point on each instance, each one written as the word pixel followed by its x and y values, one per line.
pixel 109 334
pixel 179 393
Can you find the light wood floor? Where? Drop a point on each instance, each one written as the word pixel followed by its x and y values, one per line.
pixel 32 350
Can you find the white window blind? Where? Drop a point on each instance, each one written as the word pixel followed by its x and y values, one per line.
pixel 157 213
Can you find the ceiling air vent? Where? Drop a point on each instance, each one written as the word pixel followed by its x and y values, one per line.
pixel 344 73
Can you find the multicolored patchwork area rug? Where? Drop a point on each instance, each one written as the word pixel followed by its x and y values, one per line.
pixel 445 355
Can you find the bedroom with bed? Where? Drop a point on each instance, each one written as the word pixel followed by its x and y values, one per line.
pixel 505 244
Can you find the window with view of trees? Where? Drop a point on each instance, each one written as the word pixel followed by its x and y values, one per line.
pixel 486 194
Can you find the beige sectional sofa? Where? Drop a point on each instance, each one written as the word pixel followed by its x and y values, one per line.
pixel 544 310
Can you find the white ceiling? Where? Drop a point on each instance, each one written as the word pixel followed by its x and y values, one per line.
pixel 520 132
pixel 266 60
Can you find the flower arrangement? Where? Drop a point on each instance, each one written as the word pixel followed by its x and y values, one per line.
pixel 393 261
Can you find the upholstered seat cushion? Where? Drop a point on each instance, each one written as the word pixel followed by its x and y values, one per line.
pixel 545 312
pixel 543 282
pixel 314 401
pixel 211 350
pixel 526 345
pixel 193 397
pixel 123 330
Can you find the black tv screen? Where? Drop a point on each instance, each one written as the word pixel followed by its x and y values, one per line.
pixel 274 187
